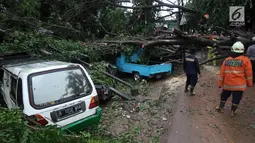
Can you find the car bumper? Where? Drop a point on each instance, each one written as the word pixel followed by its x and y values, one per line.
pixel 84 123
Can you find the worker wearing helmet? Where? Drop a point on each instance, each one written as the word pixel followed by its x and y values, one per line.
pixel 235 76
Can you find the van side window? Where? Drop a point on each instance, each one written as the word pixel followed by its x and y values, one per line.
pixel 19 94
pixel 13 89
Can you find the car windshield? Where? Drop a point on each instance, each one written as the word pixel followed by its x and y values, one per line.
pixel 59 86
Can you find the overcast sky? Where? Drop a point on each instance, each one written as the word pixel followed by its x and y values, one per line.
pixel 162 13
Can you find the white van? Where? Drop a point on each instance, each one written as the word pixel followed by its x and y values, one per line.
pixel 51 93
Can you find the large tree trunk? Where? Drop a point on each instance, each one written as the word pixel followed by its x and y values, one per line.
pixel 148 12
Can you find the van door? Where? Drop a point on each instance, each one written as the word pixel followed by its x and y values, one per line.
pixel 19 97
pixel 13 92
pixel 2 94
pixel 6 89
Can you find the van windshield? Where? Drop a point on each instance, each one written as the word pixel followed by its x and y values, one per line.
pixel 58 86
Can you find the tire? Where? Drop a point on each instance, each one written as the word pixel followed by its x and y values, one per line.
pixel 137 76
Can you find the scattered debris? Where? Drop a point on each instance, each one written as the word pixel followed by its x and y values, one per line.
pixel 142 115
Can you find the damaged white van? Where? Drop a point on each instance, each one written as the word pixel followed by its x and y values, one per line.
pixel 51 93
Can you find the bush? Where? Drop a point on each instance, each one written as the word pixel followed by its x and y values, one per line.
pixel 13 129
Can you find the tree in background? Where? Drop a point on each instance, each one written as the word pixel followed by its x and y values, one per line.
pixel 218 11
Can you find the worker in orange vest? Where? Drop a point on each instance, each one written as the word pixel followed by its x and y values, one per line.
pixel 235 76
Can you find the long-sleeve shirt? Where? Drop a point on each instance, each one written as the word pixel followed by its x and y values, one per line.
pixel 235 73
pixel 191 65
pixel 251 52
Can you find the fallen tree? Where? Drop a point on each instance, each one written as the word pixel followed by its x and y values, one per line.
pixel 168 47
pixel 170 39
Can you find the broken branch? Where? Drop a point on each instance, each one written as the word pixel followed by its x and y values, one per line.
pixel 153 6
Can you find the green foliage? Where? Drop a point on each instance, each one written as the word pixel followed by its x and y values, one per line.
pixel 77 19
pixel 71 21
pixel 129 50
pixel 73 49
pixel 143 57
pixel 123 22
pixel 217 9
pixel 13 129
pixel 142 20
pixel 19 41
pixel 143 29
pixel 33 42
pixel 115 20
pixel 22 8
pixel 28 8
pixel 98 77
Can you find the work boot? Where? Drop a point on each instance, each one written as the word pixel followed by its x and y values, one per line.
pixel 220 108
pixel 186 88
pixel 233 110
pixel 192 93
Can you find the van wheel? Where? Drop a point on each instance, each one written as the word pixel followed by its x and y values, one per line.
pixel 137 76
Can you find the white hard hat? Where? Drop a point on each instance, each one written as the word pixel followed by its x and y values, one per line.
pixel 238 47
pixel 253 38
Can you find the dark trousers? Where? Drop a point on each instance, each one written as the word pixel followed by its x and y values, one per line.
pixel 236 96
pixel 253 69
pixel 191 80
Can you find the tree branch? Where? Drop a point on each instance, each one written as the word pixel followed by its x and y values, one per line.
pixel 171 2
pixel 210 60
pixel 176 6
pixel 166 16
pixel 18 20
pixel 125 42
pixel 63 27
pixel 153 6
pixel 123 1
pixel 77 7
pixel 2 30
pixel 101 25
pixel 167 50
pixel 36 25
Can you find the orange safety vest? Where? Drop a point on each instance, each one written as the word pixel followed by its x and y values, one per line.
pixel 235 74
